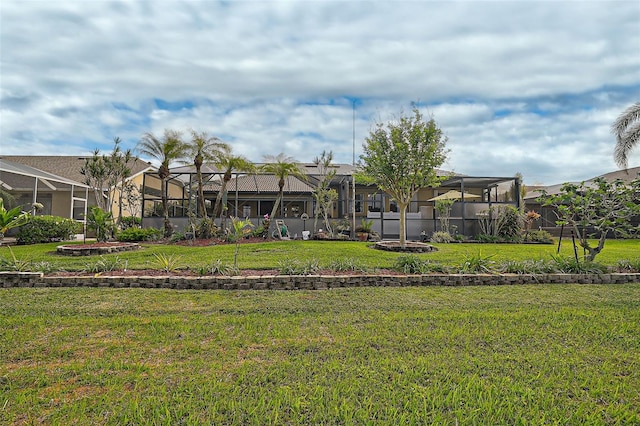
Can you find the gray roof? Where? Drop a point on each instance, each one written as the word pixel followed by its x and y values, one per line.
pixel 626 175
pixel 262 184
pixel 67 166
pixel 21 170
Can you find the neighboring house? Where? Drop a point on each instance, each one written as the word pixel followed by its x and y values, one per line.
pixel 58 195
pixel 69 169
pixel 253 195
pixel 548 215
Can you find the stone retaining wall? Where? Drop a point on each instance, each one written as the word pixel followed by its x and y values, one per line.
pixel 305 282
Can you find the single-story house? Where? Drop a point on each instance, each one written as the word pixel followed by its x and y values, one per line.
pixel 548 215
pixel 253 195
pixel 30 178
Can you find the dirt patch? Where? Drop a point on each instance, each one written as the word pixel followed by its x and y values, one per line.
pixel 410 247
pixel 95 248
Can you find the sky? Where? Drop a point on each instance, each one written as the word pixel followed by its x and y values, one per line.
pixel 528 87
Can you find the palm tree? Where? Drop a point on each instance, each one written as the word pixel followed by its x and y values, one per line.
pixel 166 150
pixel 204 148
pixel 627 131
pixel 228 162
pixel 282 167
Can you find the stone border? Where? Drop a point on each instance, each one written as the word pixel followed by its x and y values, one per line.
pixel 305 282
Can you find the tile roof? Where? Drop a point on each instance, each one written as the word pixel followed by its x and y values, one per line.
pixel 262 183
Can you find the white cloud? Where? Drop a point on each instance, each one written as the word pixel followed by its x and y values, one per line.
pixel 517 86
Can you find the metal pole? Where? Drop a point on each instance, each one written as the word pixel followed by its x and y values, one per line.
pixel 353 177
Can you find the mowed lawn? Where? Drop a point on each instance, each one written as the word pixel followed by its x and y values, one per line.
pixel 270 255
pixel 543 354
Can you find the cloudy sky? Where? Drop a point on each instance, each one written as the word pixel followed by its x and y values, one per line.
pixel 517 86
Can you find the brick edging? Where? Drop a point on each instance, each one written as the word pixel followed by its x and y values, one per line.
pixel 306 282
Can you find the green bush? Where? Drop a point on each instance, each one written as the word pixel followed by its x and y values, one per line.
pixel 538 237
pixel 127 222
pixel 217 267
pixel 477 264
pixel 106 264
pixel 298 267
pixel 347 264
pixel 441 237
pixel 528 266
pixel 569 265
pixel 413 264
pixel 101 222
pixel 132 235
pixel 45 229
pixel 511 224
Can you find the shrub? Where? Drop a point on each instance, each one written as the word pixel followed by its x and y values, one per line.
pixel 45 229
pixel 626 265
pixel 127 222
pixel 348 264
pixel 441 237
pixel 177 236
pixel 216 267
pixel 538 237
pixel 297 267
pixel 106 264
pixel 477 264
pixel 167 262
pixel 207 228
pixel 529 266
pixel 413 264
pixel 101 222
pixel 569 265
pixel 139 234
pixel 20 265
pixel 502 223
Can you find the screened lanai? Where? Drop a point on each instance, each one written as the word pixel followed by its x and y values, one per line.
pixel 57 195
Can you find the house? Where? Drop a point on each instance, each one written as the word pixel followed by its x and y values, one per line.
pixel 253 195
pixel 56 182
pixel 548 215
pixel 58 195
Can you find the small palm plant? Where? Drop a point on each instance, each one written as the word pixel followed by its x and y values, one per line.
pixel 11 218
pixel 239 229
pixel 101 222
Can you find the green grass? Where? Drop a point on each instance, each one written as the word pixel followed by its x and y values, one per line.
pixel 557 354
pixel 270 254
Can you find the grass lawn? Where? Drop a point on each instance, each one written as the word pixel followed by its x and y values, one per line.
pixel 557 354
pixel 268 255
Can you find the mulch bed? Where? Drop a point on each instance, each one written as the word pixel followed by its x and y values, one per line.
pixel 192 273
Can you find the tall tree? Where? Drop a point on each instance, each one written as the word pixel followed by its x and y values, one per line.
pixel 324 195
pixel 229 162
pixel 104 173
pixel 627 131
pixel 282 167
pixel 204 148
pixel 401 157
pixel 166 150
pixel 95 176
pixel 121 166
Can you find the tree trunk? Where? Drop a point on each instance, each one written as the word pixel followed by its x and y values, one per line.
pixel 203 206
pixel 274 210
pixel 168 230
pixel 403 225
